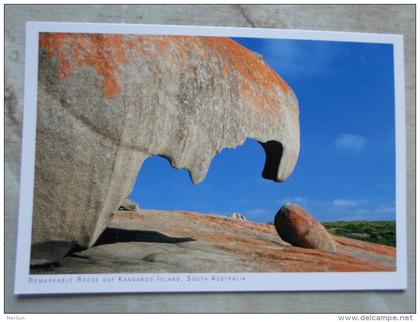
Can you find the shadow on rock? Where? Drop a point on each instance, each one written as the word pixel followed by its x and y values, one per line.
pixel 114 235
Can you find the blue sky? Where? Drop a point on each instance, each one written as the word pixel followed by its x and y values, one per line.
pixel 346 168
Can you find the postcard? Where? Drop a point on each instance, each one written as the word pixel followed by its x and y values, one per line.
pixel 206 159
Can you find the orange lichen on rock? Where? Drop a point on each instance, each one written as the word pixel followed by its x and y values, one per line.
pixel 101 52
pixel 105 53
pixel 247 64
pixel 367 246
pixel 258 79
pixel 259 242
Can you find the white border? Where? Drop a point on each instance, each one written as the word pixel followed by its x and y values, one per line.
pixel 107 283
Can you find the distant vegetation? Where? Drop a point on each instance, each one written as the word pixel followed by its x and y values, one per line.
pixel 380 232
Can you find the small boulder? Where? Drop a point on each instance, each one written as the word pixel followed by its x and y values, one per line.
pixel 297 227
pixel 129 205
pixel 237 216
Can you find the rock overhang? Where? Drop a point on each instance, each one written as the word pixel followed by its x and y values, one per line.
pixel 113 100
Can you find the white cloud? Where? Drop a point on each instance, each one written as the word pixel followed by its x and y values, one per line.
pixel 348 202
pixel 345 203
pixel 350 142
pixel 297 199
pixel 291 58
pixel 376 210
pixel 301 200
pixel 343 209
pixel 385 209
pixel 258 211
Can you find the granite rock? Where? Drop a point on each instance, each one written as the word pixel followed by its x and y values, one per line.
pixel 108 102
pixel 129 205
pixel 154 241
pixel 296 226
pixel 237 216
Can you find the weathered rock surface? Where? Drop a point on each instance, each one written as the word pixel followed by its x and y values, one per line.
pixel 108 102
pixel 297 227
pixel 169 241
pixel 129 205
pixel 237 216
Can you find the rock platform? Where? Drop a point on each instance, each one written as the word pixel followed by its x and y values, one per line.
pixel 155 241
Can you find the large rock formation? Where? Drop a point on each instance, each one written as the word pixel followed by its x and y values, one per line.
pixel 108 102
pixel 297 227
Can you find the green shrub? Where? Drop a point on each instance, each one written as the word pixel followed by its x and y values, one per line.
pixel 380 232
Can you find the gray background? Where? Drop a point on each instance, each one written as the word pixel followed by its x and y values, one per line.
pixel 397 19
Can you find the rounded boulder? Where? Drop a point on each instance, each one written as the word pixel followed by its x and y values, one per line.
pixel 295 226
